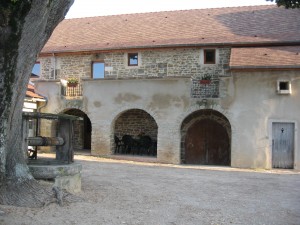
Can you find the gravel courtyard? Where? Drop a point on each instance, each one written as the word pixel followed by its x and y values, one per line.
pixel 123 192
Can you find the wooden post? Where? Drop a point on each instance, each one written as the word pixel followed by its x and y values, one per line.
pixel 45 141
pixel 63 140
pixel 25 126
pixel 65 152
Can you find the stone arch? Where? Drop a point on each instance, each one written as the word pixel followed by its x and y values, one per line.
pixel 71 104
pixel 206 138
pixel 124 108
pixel 82 129
pixel 139 124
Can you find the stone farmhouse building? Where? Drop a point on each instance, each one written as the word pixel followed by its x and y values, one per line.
pixel 209 86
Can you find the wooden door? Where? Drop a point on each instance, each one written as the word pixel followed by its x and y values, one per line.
pixel 207 143
pixel 283 145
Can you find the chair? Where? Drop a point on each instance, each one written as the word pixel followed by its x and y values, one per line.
pixel 128 143
pixel 145 143
pixel 118 145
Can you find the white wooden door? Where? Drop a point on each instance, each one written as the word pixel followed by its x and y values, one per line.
pixel 283 145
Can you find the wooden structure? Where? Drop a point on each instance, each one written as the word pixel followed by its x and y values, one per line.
pixel 63 141
pixel 207 143
pixel 45 141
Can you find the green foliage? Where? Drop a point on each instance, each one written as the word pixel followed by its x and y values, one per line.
pixel 206 77
pixel 72 80
pixel 289 4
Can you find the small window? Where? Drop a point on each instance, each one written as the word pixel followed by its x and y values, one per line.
pixel 209 56
pixel 284 87
pixel 133 59
pixel 98 70
pixel 36 70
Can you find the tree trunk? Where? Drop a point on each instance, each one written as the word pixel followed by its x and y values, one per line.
pixel 25 26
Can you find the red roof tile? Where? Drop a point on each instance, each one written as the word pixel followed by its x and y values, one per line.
pixel 31 93
pixel 222 26
pixel 271 57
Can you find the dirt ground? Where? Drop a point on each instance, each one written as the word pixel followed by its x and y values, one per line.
pixel 120 192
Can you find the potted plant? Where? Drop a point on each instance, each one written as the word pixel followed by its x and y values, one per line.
pixel 206 79
pixel 72 82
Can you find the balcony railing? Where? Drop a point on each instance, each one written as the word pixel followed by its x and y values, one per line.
pixel 71 91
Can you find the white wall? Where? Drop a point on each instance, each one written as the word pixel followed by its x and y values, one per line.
pixel 253 102
pixel 249 101
pixel 163 99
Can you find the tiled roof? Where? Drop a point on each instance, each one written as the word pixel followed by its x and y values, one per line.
pixel 31 93
pixel 271 57
pixel 221 26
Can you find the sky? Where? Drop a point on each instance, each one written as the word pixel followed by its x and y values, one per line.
pixel 88 8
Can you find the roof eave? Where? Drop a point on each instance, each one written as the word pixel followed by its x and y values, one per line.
pixel 262 68
pixel 224 44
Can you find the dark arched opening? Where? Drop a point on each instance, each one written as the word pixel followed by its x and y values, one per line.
pixel 135 133
pixel 82 131
pixel 206 138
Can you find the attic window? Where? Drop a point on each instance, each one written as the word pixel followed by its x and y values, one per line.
pixel 133 59
pixel 284 87
pixel 209 56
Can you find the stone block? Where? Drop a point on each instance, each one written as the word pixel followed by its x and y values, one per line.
pixel 65 176
pixel 70 183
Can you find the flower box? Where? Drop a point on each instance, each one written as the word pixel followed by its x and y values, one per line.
pixel 205 81
pixel 72 84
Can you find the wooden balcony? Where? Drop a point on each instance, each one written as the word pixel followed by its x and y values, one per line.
pixel 71 91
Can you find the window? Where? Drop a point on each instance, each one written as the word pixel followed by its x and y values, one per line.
pixel 284 87
pixel 133 59
pixel 36 70
pixel 98 70
pixel 209 56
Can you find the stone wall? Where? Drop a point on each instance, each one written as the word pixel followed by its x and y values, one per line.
pixel 186 62
pixel 66 66
pixel 163 63
pixel 210 90
pixel 134 122
pixel 78 127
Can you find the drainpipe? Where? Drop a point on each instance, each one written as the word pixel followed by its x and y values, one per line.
pixel 54 71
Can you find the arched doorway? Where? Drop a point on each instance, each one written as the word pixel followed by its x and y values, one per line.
pixel 82 131
pixel 135 133
pixel 206 138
